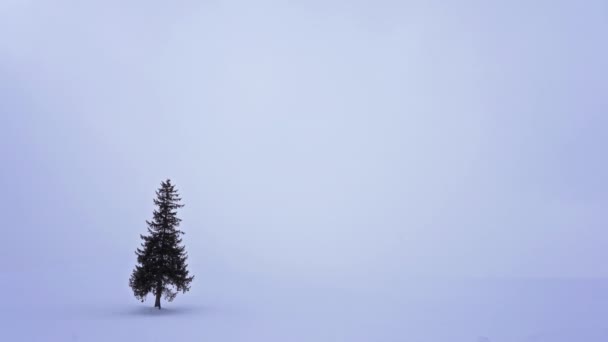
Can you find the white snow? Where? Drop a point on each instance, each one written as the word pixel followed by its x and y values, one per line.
pixel 224 307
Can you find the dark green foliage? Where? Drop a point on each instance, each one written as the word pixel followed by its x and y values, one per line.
pixel 162 268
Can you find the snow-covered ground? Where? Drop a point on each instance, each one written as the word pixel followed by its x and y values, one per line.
pixel 256 308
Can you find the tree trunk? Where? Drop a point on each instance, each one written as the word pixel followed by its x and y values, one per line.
pixel 159 292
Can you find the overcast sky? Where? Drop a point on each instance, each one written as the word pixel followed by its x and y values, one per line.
pixel 395 138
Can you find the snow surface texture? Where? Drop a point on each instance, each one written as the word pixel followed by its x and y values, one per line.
pixel 352 170
pixel 243 309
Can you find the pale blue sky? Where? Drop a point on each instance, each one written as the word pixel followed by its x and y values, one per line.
pixel 316 137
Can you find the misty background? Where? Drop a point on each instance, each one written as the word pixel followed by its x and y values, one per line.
pixel 348 144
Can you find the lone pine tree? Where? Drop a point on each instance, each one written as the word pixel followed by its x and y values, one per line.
pixel 162 267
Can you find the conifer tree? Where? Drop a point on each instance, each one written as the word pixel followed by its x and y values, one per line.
pixel 161 261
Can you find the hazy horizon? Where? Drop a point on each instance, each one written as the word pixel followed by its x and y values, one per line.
pixel 351 170
pixel 412 138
